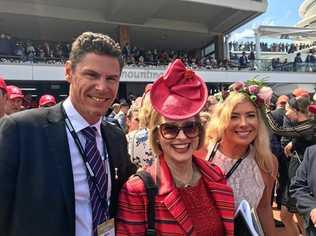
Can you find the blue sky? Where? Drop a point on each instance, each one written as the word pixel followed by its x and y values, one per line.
pixel 279 12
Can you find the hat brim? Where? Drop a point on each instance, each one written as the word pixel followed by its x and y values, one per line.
pixel 47 102
pixel 12 96
pixel 173 106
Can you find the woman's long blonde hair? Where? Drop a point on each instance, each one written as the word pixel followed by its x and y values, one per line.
pixel 221 119
pixel 145 111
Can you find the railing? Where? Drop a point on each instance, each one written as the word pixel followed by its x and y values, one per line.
pixel 267 65
pixel 262 65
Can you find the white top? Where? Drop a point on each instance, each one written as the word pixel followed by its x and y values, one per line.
pixel 139 149
pixel 82 195
pixel 246 181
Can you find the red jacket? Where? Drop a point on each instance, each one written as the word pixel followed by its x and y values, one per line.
pixel 171 215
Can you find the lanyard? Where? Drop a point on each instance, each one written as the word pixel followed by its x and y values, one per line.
pixel 87 165
pixel 234 167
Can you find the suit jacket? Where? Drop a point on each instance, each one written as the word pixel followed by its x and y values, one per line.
pixel 36 179
pixel 277 149
pixel 303 186
pixel 171 213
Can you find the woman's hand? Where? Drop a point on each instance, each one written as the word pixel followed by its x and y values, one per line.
pixel 313 216
pixel 288 149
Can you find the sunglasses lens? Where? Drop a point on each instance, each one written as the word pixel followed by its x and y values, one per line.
pixel 191 129
pixel 169 131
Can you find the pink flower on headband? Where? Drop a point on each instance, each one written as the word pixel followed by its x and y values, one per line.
pixel 253 89
pixel 237 86
pixel 265 94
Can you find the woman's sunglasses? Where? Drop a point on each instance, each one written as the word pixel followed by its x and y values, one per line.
pixel 171 131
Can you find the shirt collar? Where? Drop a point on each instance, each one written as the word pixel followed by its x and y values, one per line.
pixel 77 121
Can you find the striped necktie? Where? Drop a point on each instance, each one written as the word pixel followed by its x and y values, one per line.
pixel 97 184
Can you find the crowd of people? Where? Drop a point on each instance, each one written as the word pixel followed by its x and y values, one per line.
pixel 14 50
pixel 268 47
pixel 19 51
pixel 13 100
pixel 299 63
pixel 175 161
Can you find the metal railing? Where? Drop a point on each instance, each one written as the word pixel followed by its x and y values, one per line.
pixel 261 65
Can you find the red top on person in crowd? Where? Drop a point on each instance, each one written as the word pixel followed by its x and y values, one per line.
pixel 312 108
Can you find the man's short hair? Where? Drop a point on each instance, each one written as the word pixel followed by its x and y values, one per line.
pixel 115 105
pixel 100 44
pixel 124 104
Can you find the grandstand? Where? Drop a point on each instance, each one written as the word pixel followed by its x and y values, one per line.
pixel 152 32
pixel 307 12
pixel 194 27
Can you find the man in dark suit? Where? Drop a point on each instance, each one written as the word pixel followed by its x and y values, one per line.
pixel 278 115
pixel 61 168
pixel 243 61
pixel 303 188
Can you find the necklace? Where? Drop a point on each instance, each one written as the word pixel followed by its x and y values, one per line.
pixel 191 182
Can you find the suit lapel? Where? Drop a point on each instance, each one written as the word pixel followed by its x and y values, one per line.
pixel 176 207
pixel 110 139
pixel 224 203
pixel 58 149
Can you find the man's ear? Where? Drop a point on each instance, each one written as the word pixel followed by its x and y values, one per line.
pixel 68 71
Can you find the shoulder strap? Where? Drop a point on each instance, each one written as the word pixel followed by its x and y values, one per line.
pixel 214 150
pixel 152 190
pixel 234 167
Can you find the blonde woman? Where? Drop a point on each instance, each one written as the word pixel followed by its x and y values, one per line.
pixel 239 144
pixel 140 152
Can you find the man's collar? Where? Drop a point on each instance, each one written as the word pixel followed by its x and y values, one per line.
pixel 77 121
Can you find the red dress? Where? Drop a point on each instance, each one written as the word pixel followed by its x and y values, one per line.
pixel 202 210
pixel 171 213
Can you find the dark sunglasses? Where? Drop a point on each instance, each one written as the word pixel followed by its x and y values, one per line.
pixel 171 131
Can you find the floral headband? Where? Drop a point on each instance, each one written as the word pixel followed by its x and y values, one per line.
pixel 255 89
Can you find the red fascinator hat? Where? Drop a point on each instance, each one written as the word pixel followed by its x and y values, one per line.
pixel 179 93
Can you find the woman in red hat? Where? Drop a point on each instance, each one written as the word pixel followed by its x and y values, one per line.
pixel 193 197
pixel 239 144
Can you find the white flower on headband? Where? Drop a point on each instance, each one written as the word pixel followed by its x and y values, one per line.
pixel 265 93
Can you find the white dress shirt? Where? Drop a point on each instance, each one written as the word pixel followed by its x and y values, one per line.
pixel 82 195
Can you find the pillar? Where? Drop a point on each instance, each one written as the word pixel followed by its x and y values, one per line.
pixel 219 47
pixel 123 35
